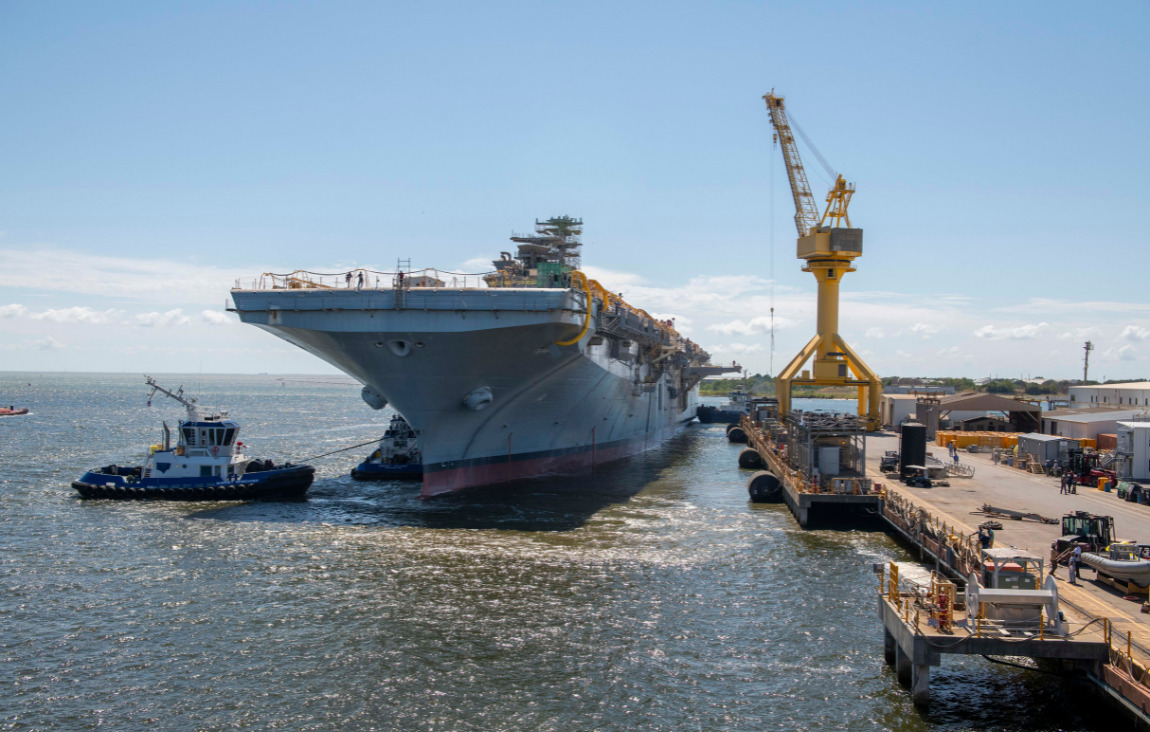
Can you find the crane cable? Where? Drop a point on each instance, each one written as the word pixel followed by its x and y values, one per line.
pixel 818 155
pixel 771 225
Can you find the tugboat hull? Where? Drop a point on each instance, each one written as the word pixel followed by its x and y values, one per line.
pixel 370 471
pixel 289 483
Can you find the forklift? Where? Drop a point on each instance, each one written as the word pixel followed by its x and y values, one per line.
pixel 1084 466
pixel 1092 532
pixel 889 462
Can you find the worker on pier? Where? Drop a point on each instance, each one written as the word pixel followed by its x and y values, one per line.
pixel 1073 564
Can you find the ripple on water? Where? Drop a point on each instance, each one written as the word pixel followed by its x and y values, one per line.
pixel 649 596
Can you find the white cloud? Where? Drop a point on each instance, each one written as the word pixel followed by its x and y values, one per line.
pixel 761 324
pixel 875 333
pixel 77 315
pixel 215 317
pixel 951 352
pixel 1135 333
pixel 1022 332
pixel 162 320
pixel 477 265
pixel 48 343
pixel 737 348
pixel 1047 306
pixel 152 280
pixel 1127 353
pixel 613 280
pixel 1080 333
pixel 924 329
pixel 63 315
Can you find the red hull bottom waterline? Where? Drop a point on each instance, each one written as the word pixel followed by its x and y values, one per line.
pixel 446 479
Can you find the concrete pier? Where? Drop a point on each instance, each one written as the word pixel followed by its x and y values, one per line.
pixel 917 642
pixel 1104 636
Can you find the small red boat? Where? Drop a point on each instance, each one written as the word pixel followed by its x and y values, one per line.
pixel 10 411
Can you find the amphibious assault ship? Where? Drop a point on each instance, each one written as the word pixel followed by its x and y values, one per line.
pixel 531 369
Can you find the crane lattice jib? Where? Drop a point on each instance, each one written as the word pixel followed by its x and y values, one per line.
pixel 806 212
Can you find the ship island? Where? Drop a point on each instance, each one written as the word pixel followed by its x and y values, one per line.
pixel 531 369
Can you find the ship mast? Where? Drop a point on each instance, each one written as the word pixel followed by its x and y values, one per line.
pixel 178 395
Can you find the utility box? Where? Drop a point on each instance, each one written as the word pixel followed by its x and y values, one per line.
pixel 828 460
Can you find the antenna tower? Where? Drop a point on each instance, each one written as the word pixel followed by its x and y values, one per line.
pixel 1086 361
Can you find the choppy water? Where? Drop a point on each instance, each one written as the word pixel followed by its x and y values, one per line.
pixel 650 596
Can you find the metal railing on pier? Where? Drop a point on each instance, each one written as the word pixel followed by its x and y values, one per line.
pixel 960 552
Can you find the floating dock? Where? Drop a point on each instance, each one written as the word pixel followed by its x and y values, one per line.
pixel 794 449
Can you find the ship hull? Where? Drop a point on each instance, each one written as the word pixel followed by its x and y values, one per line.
pixel 500 385
pixel 519 466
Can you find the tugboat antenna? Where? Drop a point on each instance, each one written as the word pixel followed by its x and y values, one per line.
pixel 178 395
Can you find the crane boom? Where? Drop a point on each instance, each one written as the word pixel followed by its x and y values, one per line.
pixel 806 212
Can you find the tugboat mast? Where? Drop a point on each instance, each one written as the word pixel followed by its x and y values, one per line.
pixel 178 395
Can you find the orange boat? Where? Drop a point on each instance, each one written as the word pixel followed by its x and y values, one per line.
pixel 10 411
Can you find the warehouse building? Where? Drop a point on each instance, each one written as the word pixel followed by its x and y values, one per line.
pixel 1135 394
pixel 1086 423
pixel 1133 453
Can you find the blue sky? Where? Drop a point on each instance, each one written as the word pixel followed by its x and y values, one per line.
pixel 151 153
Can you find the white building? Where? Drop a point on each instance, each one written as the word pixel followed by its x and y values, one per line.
pixel 1135 394
pixel 1133 451
pixel 896 408
pixel 1086 423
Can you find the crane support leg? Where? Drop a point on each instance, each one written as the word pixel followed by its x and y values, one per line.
pixel 862 372
pixel 787 375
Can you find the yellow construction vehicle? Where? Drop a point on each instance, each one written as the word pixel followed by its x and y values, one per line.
pixel 829 245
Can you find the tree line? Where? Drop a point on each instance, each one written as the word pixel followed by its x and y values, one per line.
pixel 764 385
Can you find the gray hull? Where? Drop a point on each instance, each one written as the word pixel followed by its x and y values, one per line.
pixel 478 373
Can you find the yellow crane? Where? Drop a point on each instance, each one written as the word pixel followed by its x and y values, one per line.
pixel 829 245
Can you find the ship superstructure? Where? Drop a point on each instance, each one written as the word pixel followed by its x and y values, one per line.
pixel 531 369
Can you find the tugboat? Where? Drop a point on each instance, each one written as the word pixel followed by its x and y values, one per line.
pixel 729 413
pixel 206 465
pixel 397 458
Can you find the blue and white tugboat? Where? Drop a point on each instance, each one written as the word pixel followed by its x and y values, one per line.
pixel 207 464
pixel 397 457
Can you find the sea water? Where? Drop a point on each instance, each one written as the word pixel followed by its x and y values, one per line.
pixel 650 595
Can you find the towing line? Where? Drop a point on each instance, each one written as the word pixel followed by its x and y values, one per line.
pixel 333 452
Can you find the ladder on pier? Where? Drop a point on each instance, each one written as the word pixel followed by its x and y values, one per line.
pixel 959 470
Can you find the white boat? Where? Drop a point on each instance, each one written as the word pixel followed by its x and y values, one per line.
pixel 1122 562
